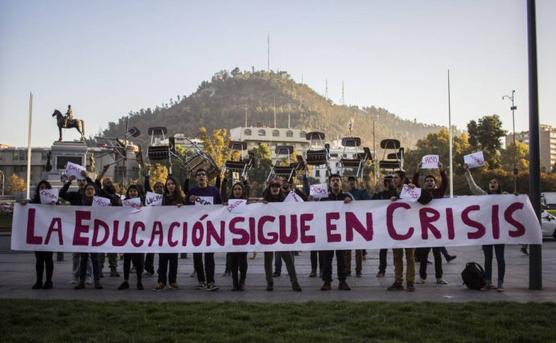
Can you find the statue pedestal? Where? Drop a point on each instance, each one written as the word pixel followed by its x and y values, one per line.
pixel 61 154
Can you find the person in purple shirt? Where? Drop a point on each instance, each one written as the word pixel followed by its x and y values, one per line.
pixel 204 194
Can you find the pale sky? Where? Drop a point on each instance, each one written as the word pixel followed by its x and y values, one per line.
pixel 108 58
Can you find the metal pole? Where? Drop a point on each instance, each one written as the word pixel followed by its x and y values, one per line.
pixel 535 252
pixel 3 181
pixel 29 146
pixel 450 137
pixel 513 108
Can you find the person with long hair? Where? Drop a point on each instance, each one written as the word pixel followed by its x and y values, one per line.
pixel 168 262
pixel 133 191
pixel 273 193
pixel 493 188
pixel 43 259
pixel 238 260
pixel 157 188
pixel 88 195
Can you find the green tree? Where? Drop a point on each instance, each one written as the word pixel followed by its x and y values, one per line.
pixel 217 145
pixel 487 134
pixel 159 173
pixel 16 184
pixel 522 157
pixel 263 163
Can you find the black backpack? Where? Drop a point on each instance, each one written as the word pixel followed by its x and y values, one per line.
pixel 473 276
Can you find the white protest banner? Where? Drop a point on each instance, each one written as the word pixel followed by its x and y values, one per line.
pixel 73 169
pixel 153 199
pixel 430 162
pixel 237 205
pixel 49 196
pixel 100 202
pixel 204 200
pixel 474 160
pixel 330 225
pixel 293 197
pixel 318 191
pixel 410 194
pixel 133 202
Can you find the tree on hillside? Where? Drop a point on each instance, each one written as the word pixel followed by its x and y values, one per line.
pixel 16 184
pixel 486 135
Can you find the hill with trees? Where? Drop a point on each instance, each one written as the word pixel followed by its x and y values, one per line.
pixel 230 97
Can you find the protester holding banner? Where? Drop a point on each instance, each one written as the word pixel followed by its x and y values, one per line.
pixel 399 180
pixel 335 194
pixel 273 193
pixel 106 189
pixel 168 262
pixel 158 188
pixel 493 188
pixel 388 192
pixel 204 194
pixel 238 260
pixel 133 192
pixel 75 198
pixel 87 200
pixel 435 192
pixel 358 194
pixel 43 259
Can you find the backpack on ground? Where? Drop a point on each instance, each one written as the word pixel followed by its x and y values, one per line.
pixel 473 276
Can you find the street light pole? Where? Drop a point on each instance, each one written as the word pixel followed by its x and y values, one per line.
pixel 513 108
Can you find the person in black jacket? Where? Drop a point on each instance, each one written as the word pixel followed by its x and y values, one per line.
pixel 133 192
pixel 87 200
pixel 238 260
pixel 75 198
pixel 335 194
pixel 43 258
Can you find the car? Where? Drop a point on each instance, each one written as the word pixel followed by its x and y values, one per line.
pixel 548 222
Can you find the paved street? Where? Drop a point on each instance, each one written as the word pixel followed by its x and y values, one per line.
pixel 17 276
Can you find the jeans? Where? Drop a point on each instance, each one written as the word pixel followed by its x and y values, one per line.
pixel 316 261
pixel 382 260
pixel 287 256
pixel 328 256
pixel 398 265
pixel 499 251
pixel 44 259
pixel 149 262
pixel 76 265
pixel 206 272
pixel 137 259
pixel 423 254
pixel 83 266
pixel 164 274
pixel 238 261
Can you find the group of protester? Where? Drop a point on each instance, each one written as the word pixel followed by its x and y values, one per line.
pixel 236 263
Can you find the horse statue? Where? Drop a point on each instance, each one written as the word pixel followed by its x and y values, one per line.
pixel 63 124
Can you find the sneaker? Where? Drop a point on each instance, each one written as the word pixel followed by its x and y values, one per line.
pixel 313 274
pixel 396 286
pixel 326 286
pixel 80 285
pixel 421 281
pixel 410 287
pixel 211 287
pixel 269 287
pixel 159 286
pixel 37 285
pixel 200 286
pixel 450 258
pixel 489 285
pixel 275 274
pixel 98 285
pixel 343 286
pixel 500 288
pixel 140 286
pixel 89 281
pixel 173 285
pixel 380 274
pixel 124 285
pixel 296 287
pixel 441 282
pixel 47 285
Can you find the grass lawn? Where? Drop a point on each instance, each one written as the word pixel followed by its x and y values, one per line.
pixel 81 321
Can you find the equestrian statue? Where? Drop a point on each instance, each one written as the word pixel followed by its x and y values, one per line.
pixel 67 122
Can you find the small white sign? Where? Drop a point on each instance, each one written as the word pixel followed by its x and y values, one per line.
pixel 49 196
pixel 430 162
pixel 293 197
pixel 100 202
pixel 73 169
pixel 153 199
pixel 204 200
pixel 474 160
pixel 237 205
pixel 319 191
pixel 133 202
pixel 411 194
